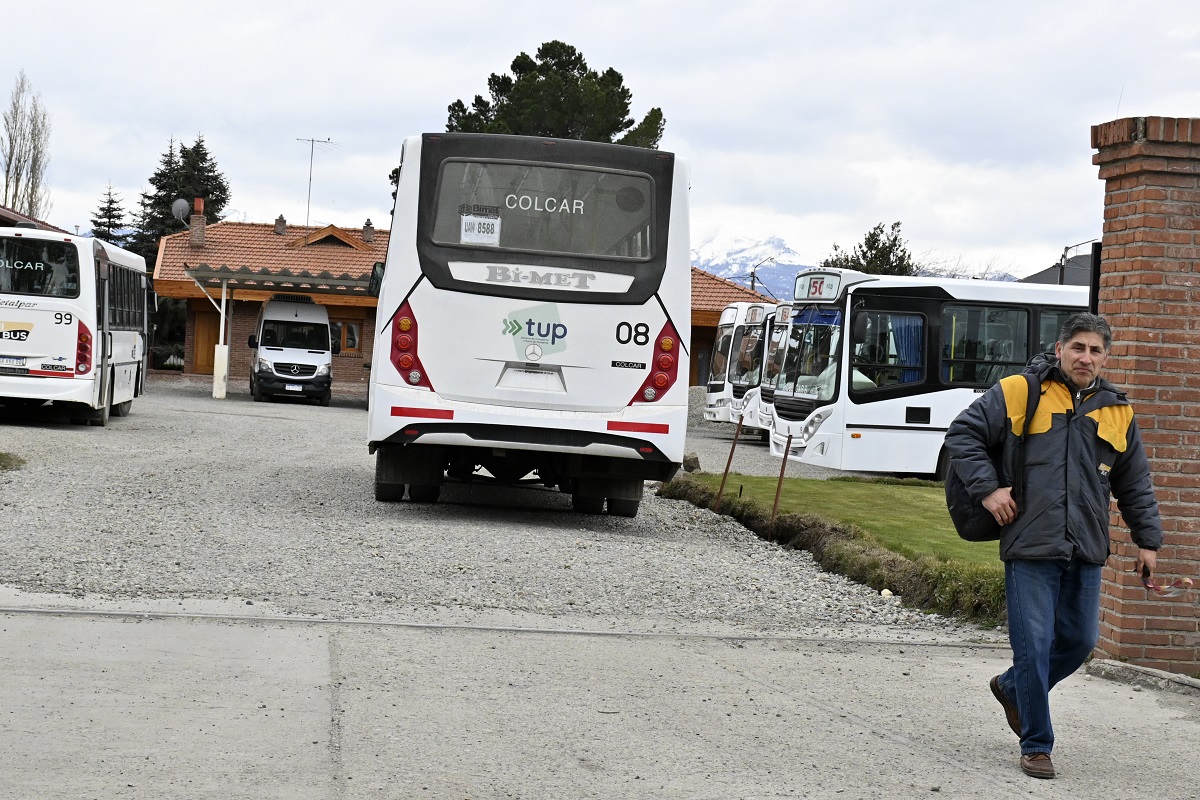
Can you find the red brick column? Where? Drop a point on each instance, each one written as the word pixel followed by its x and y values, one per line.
pixel 1150 292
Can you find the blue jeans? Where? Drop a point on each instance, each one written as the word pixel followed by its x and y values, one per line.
pixel 1053 625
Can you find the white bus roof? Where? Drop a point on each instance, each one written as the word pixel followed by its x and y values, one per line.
pixel 959 288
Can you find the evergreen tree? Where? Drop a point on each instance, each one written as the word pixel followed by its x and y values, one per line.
pixel 879 253
pixel 556 94
pixel 184 173
pixel 108 221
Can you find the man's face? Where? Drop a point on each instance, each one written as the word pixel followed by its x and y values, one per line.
pixel 1082 358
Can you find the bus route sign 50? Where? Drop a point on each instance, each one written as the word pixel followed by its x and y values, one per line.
pixel 821 286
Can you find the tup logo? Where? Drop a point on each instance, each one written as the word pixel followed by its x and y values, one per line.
pixel 536 332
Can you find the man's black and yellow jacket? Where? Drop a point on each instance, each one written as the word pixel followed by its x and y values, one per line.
pixel 1082 447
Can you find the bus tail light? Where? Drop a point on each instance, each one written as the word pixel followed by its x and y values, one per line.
pixel 404 349
pixel 664 366
pixel 83 350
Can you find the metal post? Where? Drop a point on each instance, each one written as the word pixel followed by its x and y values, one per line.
pixel 221 353
pixel 721 491
pixel 779 487
pixel 1094 300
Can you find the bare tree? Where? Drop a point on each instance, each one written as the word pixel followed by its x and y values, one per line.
pixel 24 151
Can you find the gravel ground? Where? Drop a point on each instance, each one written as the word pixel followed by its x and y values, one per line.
pixel 271 505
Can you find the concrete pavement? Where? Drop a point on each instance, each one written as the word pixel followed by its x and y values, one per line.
pixel 172 701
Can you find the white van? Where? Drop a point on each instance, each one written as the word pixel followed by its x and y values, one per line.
pixel 290 352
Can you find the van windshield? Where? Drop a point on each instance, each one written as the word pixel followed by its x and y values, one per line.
pixel 298 335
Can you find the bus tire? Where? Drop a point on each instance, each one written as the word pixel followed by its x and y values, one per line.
pixel 943 466
pixel 587 505
pixel 98 416
pixel 121 409
pixel 389 492
pixel 419 493
pixel 618 507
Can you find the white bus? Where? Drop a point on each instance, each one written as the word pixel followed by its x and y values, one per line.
pixel 759 408
pixel 737 358
pixel 534 319
pixel 73 323
pixel 876 367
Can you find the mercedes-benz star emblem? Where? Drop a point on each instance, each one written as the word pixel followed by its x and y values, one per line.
pixel 533 352
pixel 295 369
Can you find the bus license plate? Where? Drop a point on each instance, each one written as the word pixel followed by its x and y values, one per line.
pixel 293 387
pixel 10 361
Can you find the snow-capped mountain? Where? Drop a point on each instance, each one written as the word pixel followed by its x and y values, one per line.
pixel 773 263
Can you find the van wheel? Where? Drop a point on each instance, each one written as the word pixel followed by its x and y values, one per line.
pixel 424 494
pixel 325 398
pixel 389 492
pixel 618 507
pixel 255 392
pixel 122 409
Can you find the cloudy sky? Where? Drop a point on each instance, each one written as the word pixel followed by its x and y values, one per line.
pixel 812 121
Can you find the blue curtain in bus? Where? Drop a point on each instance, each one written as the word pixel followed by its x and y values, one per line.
pixel 814 315
pixel 907 330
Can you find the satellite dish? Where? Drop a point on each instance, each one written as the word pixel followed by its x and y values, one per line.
pixel 179 209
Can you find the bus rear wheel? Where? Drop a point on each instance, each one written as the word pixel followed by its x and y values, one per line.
pixel 121 409
pixel 389 492
pixel 98 416
pixel 587 505
pixel 424 494
pixel 619 507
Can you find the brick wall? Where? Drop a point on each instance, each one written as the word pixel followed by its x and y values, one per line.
pixel 1150 292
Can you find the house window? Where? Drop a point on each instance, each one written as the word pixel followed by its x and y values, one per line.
pixel 349 334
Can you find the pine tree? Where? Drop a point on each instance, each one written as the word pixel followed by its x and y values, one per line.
pixel 108 221
pixel 185 173
pixel 881 252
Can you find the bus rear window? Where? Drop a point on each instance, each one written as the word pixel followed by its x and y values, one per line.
pixel 545 209
pixel 34 266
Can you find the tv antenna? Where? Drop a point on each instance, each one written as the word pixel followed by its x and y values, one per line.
pixel 312 147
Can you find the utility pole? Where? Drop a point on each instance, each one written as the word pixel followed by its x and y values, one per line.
pixel 754 271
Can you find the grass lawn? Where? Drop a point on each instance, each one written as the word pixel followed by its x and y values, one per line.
pixel 909 520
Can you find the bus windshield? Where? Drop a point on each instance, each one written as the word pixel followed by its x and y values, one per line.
pixel 747 354
pixel 810 361
pixel 720 356
pixel 541 208
pixel 39 267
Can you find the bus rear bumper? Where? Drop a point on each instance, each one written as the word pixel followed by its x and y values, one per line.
pixel 59 390
pixel 640 434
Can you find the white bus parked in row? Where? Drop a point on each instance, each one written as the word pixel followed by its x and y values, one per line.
pixel 877 367
pixel 759 407
pixel 737 358
pixel 534 315
pixel 73 323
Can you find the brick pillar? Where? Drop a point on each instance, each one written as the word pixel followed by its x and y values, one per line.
pixel 1150 292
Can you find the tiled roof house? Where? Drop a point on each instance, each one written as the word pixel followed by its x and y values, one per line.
pixel 256 261
pixel 331 265
pixel 9 217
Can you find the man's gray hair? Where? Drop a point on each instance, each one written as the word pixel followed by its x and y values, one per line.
pixel 1084 322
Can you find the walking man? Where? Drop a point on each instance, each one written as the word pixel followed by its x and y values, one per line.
pixel 1081 446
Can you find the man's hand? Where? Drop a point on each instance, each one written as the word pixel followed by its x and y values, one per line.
pixel 1146 558
pixel 1000 504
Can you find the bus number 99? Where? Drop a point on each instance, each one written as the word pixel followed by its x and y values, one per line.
pixel 63 319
